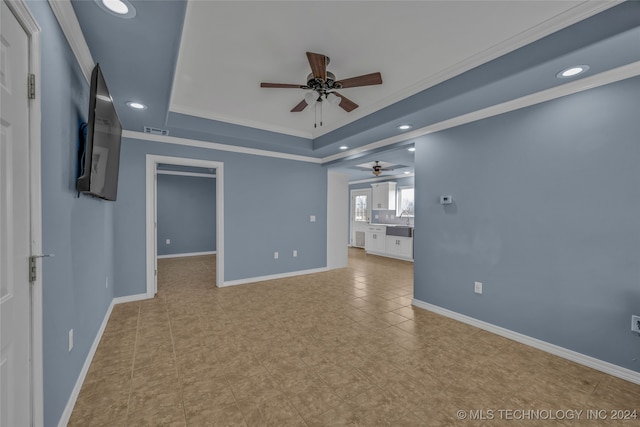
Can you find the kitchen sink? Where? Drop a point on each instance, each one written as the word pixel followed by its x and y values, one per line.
pixel 400 231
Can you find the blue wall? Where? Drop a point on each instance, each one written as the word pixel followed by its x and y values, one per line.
pixel 545 214
pixel 79 231
pixel 267 204
pixel 186 214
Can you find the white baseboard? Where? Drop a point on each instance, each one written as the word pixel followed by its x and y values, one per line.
pixel 186 254
pixel 574 356
pixel 130 298
pixel 272 277
pixel 66 415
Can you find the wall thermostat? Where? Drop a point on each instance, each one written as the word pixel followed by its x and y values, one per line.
pixel 446 200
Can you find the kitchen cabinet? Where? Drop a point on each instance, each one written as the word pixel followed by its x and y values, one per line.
pixel 377 242
pixel 375 239
pixel 399 247
pixel 384 196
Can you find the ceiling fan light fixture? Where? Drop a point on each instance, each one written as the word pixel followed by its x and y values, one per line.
pixel 333 99
pixel 311 97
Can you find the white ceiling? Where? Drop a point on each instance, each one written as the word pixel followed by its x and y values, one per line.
pixel 228 48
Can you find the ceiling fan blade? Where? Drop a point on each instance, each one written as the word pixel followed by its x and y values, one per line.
pixel 346 104
pixel 281 85
pixel 364 80
pixel 318 63
pixel 301 106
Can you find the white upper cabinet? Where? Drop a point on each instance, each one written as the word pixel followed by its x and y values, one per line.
pixel 384 196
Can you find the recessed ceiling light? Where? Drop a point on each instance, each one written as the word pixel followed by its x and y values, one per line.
pixel 343 147
pixel 411 148
pixel 405 127
pixel 407 172
pixel 572 71
pixel 104 98
pixel 136 105
pixel 119 8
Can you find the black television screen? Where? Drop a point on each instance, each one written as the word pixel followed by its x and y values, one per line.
pixel 99 156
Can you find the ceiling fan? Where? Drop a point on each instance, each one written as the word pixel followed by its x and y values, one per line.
pixel 377 168
pixel 323 84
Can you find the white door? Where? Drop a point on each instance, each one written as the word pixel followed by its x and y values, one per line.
pixel 15 302
pixel 360 214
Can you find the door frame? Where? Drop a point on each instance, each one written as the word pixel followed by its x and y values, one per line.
pixel 26 19
pixel 152 162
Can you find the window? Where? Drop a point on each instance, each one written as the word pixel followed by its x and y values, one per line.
pixel 405 202
pixel 361 208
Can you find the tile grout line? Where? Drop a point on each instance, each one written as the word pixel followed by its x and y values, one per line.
pixel 133 360
pixel 233 393
pixel 282 391
pixel 175 359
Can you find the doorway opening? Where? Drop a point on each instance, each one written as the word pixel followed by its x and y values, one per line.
pixel 152 165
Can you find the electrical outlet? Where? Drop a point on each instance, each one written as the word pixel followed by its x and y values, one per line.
pixel 70 339
pixel 295 253
pixel 275 255
pixel 477 287
pixel 168 241
pixel 312 218
pixel 635 323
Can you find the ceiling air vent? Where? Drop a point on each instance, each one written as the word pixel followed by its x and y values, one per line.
pixel 155 131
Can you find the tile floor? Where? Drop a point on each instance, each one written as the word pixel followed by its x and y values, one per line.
pixel 343 347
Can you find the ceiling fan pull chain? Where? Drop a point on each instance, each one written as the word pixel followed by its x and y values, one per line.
pixel 315 115
pixel 320 112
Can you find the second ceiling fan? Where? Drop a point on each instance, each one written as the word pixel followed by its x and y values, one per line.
pixel 323 85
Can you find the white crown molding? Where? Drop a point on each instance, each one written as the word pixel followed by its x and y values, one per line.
pixel 68 21
pixel 607 77
pixel 591 362
pixel 216 146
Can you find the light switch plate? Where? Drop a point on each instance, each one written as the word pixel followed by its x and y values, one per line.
pixel 477 287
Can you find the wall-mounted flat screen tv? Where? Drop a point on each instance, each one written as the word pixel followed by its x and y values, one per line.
pixel 99 155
